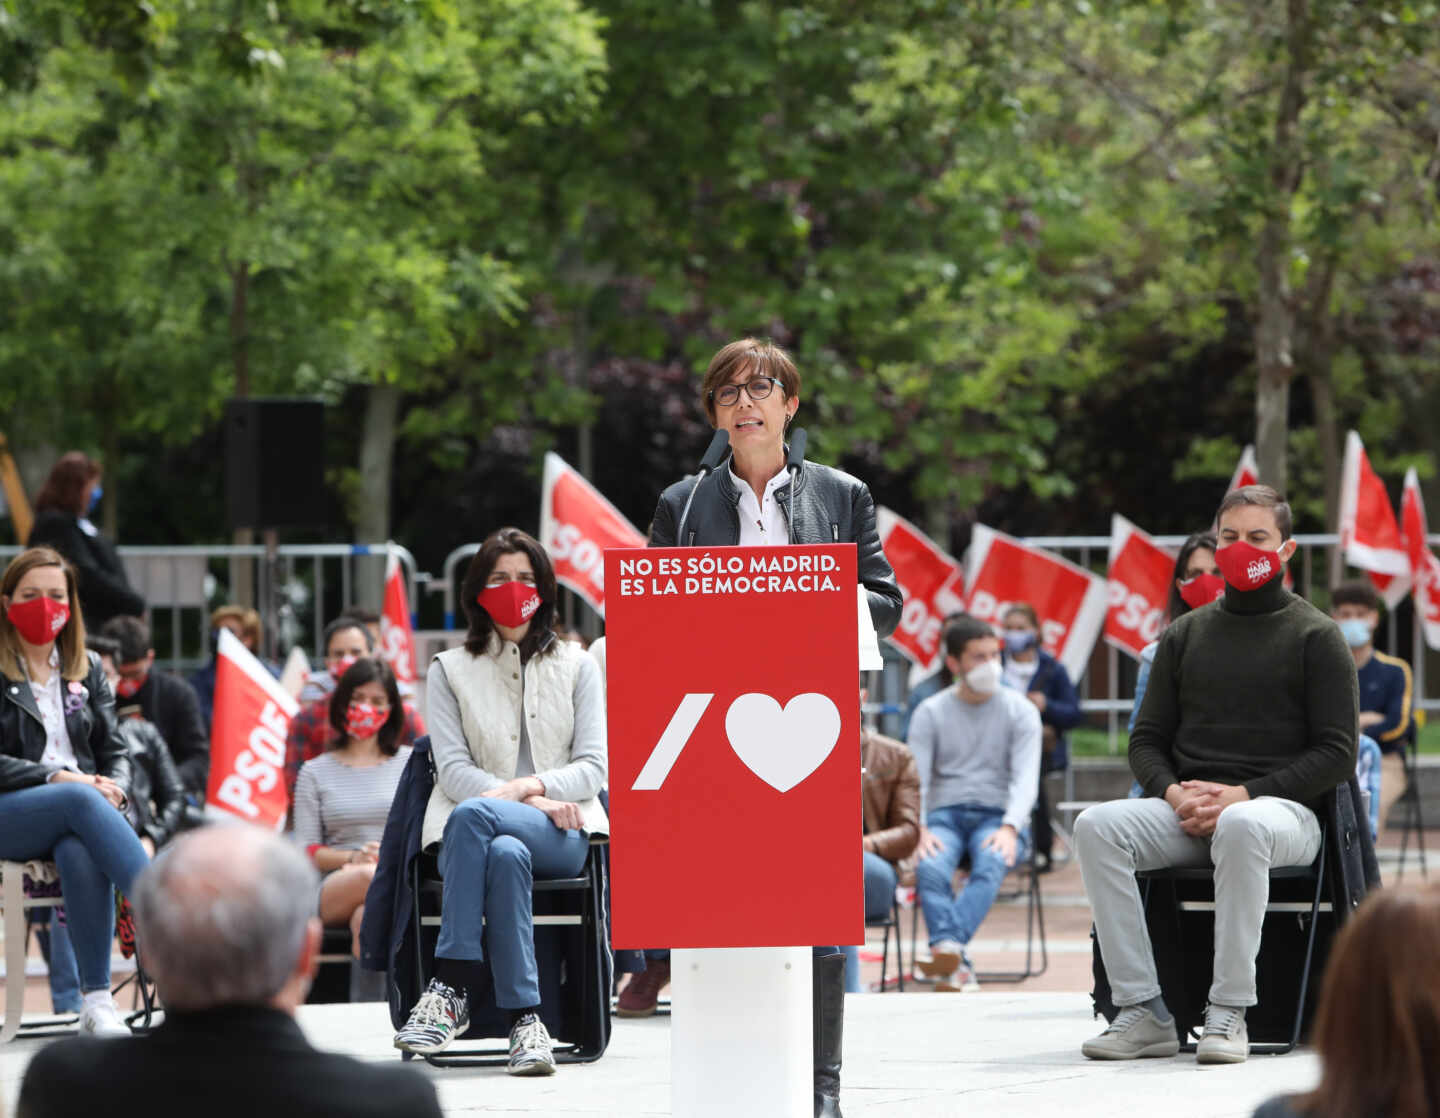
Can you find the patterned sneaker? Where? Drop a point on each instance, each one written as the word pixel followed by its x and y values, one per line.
pixel 530 1048
pixel 102 1018
pixel 439 1017
pixel 961 979
pixel 1225 1040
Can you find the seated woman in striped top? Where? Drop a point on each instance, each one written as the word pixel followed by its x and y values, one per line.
pixel 343 796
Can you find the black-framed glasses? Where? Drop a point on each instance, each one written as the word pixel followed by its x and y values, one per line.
pixel 757 388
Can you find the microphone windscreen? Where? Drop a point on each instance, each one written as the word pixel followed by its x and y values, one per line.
pixel 715 452
pixel 797 449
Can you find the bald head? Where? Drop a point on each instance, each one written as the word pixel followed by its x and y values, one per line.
pixel 222 917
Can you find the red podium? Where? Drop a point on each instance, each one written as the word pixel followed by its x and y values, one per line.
pixel 734 736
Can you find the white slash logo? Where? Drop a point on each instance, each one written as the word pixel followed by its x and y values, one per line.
pixel 782 746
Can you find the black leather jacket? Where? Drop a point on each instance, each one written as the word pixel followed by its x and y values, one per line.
pixel 822 505
pixel 93 734
pixel 157 796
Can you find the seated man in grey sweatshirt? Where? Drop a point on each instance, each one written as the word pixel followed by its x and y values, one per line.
pixel 977 746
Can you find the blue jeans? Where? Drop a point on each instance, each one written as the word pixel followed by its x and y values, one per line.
pixel 880 882
pixel 962 829
pixel 95 851
pixel 490 855
pixel 60 958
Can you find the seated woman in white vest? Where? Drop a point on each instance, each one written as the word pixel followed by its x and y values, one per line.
pixel 517 732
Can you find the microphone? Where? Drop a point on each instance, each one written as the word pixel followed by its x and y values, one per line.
pixel 714 455
pixel 797 450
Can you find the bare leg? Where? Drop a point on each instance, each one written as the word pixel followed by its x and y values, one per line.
pixel 344 892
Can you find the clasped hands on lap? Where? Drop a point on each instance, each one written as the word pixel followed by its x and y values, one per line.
pixel 531 790
pixel 108 788
pixel 1198 804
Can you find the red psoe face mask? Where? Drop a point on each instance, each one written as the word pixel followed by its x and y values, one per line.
pixel 363 720
pixel 39 620
pixel 128 685
pixel 1246 567
pixel 510 604
pixel 1202 590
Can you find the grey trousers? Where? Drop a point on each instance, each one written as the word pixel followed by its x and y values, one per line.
pixel 1115 840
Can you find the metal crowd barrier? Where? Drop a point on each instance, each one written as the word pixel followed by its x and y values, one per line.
pixel 182 585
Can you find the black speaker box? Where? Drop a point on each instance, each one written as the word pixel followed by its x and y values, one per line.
pixel 275 463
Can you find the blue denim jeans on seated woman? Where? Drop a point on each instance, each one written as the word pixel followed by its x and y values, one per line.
pixel 95 851
pixel 962 829
pixel 491 853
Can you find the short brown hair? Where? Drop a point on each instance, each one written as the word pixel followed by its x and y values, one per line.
pixel 65 487
pixel 1262 496
pixel 1378 1026
pixel 1025 610
pixel 70 641
pixel 1356 592
pixel 961 630
pixel 539 638
pixel 762 359
pixel 247 618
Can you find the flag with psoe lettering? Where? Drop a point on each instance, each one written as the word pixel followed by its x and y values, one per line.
pixel 1001 570
pixel 247 738
pixel 1138 586
pixel 1369 534
pixel 577 526
pixel 931 583
pixel 1424 566
pixel 397 636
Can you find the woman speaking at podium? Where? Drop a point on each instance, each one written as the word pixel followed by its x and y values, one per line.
pixel 762 494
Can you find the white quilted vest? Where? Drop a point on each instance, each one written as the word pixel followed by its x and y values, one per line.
pixel 488 689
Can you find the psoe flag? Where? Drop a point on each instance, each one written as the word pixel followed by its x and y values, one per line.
pixel 1246 471
pixel 1139 587
pixel 247 738
pixel 577 527
pixel 929 582
pixel 397 637
pixel 1001 570
pixel 1369 535
pixel 1424 566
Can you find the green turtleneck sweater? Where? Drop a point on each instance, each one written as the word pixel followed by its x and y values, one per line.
pixel 1256 689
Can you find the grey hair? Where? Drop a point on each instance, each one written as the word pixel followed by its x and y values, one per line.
pixel 221 916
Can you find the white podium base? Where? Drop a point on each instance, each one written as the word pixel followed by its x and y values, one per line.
pixel 740 1033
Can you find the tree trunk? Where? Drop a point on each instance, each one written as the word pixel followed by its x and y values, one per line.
pixel 1275 323
pixel 377 455
pixel 1327 434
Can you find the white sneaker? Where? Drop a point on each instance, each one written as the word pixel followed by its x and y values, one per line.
pixel 1135 1033
pixel 102 1019
pixel 1225 1039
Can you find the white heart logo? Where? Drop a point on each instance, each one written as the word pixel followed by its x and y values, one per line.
pixel 782 747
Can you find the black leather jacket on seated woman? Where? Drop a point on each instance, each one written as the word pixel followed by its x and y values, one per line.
pixel 821 505
pixel 91 722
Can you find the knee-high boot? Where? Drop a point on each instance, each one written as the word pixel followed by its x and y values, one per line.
pixel 827 981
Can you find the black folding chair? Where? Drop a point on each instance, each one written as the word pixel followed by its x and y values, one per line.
pixel 572 950
pixel 1410 803
pixel 891 923
pixel 1180 910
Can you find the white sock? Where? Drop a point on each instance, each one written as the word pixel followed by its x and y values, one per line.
pixel 96 998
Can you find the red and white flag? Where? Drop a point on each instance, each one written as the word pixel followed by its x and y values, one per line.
pixel 1424 566
pixel 1139 587
pixel 577 525
pixel 1001 570
pixel 1369 535
pixel 397 635
pixel 1246 472
pixel 931 582
pixel 247 738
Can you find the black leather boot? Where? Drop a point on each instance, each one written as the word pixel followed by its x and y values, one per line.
pixel 827 983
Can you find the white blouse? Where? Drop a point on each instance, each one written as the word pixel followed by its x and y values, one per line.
pixel 50 699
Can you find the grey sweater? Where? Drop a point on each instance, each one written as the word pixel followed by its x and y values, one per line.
pixel 978 753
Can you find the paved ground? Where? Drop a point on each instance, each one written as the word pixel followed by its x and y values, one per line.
pixel 1008 1050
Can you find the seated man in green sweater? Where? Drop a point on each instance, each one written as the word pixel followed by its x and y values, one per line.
pixel 1249 720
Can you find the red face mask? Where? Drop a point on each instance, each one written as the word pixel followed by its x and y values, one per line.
pixel 1246 567
pixel 129 684
pixel 363 720
pixel 511 604
pixel 39 620
pixel 1202 590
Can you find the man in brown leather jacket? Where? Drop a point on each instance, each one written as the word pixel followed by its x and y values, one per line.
pixel 890 800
